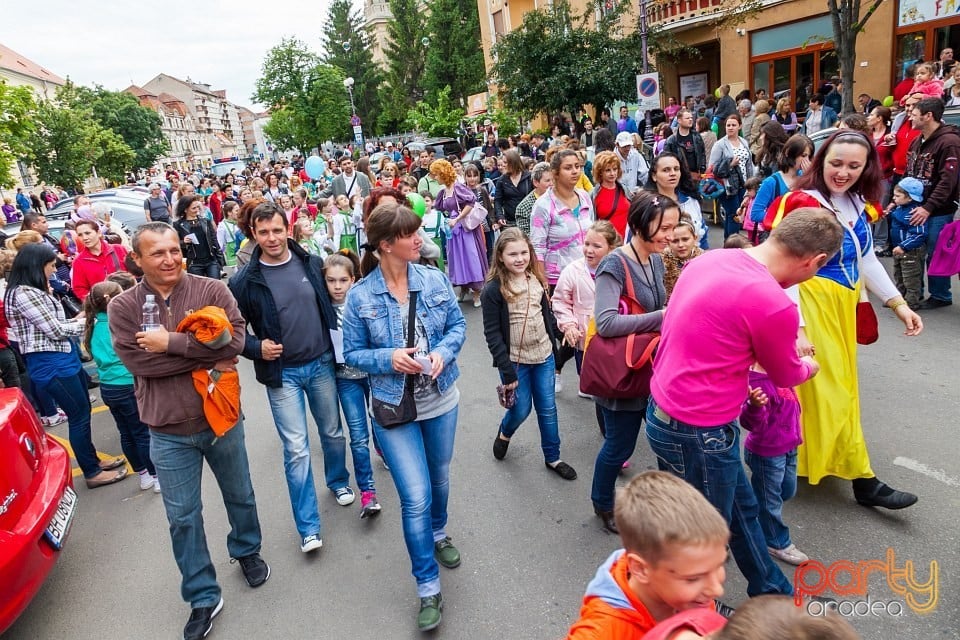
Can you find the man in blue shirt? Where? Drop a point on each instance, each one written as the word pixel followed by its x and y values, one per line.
pixel 626 123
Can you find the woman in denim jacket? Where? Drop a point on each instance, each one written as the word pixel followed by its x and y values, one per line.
pixel 418 452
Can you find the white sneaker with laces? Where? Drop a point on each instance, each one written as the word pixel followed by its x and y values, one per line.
pixel 557 383
pixel 790 554
pixel 311 543
pixel 147 481
pixel 345 496
pixel 156 484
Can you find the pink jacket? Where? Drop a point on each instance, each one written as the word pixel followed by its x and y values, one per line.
pixel 930 88
pixel 573 297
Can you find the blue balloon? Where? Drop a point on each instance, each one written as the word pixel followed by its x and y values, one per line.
pixel 314 167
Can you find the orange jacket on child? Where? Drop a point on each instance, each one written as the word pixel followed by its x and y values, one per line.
pixel 610 609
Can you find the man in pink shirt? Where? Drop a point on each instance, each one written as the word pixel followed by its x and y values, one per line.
pixel 729 310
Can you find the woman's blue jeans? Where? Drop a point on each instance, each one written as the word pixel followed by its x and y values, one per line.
pixel 730 204
pixel 708 457
pixel 134 434
pixel 209 270
pixel 353 395
pixel 70 392
pixel 621 429
pixel 535 388
pixel 774 482
pixel 419 455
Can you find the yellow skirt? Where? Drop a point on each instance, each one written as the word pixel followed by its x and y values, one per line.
pixel 833 442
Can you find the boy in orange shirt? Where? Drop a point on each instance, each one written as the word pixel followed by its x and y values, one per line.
pixel 675 547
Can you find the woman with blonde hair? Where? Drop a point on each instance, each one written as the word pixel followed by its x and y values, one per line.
pixel 785 116
pixel 466 248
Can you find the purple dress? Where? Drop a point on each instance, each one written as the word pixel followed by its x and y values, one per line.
pixel 10 213
pixel 466 250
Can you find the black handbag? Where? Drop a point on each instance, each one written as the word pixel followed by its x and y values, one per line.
pixel 390 415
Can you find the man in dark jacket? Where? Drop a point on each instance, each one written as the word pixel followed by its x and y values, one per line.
pixel 934 159
pixel 688 144
pixel 282 294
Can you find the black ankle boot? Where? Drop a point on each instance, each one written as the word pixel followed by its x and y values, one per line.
pixel 606 517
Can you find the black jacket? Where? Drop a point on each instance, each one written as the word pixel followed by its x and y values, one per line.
pixel 672 145
pixel 256 304
pixel 509 196
pixel 208 237
pixel 496 327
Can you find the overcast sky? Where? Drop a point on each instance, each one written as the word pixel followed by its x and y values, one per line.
pixel 118 43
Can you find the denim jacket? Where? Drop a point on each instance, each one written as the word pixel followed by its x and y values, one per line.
pixel 373 328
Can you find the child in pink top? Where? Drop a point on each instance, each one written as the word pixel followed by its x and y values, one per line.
pixel 925 81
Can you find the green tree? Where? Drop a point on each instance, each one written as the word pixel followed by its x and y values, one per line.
pixel 138 126
pixel 347 46
pixel 405 51
pixel 285 73
pixel 440 119
pixel 847 26
pixel 454 57
pixel 16 125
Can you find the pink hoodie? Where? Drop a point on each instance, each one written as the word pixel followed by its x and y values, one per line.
pixel 573 297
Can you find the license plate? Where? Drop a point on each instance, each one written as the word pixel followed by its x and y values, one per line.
pixel 60 524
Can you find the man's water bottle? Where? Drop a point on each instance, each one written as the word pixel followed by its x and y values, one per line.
pixel 151 314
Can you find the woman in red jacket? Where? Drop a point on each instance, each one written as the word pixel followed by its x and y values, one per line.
pixel 96 259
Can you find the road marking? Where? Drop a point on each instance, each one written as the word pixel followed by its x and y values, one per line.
pixel 76 470
pixel 919 467
pixel 99 409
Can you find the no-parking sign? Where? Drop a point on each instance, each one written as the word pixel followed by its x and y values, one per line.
pixel 648 91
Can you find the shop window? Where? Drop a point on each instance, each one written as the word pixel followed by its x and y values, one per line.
pixel 761 77
pixel 805 82
pixel 829 66
pixel 910 48
pixel 791 36
pixel 781 78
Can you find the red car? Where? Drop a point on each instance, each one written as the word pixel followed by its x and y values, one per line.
pixel 37 504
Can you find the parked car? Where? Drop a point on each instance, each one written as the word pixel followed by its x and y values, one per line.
pixel 126 204
pixel 55 228
pixel 474 154
pixel 37 504
pixel 443 146
pixel 951 115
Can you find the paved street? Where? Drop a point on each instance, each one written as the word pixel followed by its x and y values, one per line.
pixel 529 540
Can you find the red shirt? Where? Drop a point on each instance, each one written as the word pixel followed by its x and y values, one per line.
pixel 886 157
pixel 216 206
pixel 89 269
pixel 905 135
pixel 603 205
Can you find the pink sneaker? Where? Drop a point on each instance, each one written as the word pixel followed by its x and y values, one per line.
pixel 369 506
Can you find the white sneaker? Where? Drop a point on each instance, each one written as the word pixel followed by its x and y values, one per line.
pixel 311 543
pixel 584 395
pixel 345 496
pixel 790 555
pixel 557 383
pixel 147 481
pixel 156 484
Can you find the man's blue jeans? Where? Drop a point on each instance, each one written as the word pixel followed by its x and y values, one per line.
pixel 536 387
pixel 318 382
pixel 419 455
pixel 774 481
pixel 179 463
pixel 939 285
pixel 353 395
pixel 730 204
pixel 621 429
pixel 709 459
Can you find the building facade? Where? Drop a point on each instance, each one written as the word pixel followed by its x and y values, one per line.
pixel 376 16
pixel 786 49
pixel 19 71
pixel 187 148
pixel 214 117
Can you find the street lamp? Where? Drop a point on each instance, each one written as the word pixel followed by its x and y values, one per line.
pixel 348 85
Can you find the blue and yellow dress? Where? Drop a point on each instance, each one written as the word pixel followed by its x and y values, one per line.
pixel 833 441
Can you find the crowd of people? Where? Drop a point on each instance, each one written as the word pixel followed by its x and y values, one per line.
pixel 342 292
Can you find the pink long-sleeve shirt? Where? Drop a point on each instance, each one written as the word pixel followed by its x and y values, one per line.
pixel 726 313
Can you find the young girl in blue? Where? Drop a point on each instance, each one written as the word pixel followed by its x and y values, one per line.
pixel 353 388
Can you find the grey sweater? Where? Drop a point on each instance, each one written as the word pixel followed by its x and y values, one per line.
pixel 609 288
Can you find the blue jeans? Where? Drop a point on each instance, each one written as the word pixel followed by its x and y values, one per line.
pixel 317 381
pixel 70 392
pixel 621 429
pixel 353 396
pixel 419 455
pixel 939 285
pixel 179 463
pixel 134 434
pixel 774 482
pixel 209 270
pixel 709 459
pixel 535 387
pixel 730 204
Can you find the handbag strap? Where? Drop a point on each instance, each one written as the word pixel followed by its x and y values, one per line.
pixel 411 336
pixel 116 260
pixel 631 293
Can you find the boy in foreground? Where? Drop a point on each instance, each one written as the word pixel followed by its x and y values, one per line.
pixel 674 549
